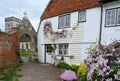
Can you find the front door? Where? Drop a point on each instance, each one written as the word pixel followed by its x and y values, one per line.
pixel 48 51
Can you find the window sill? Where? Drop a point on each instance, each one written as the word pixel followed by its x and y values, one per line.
pixel 111 26
pixel 64 27
pixel 81 21
pixel 63 55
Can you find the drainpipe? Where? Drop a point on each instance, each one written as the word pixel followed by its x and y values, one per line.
pixel 100 33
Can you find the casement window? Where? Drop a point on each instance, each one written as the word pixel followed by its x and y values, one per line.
pixel 63 49
pixel 26 45
pixel 82 16
pixel 64 21
pixel 22 46
pixel 112 17
pixel 49 48
pixel 118 16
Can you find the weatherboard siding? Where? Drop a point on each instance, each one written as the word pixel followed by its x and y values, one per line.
pixel 79 37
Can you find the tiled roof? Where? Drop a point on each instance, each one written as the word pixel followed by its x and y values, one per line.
pixel 58 7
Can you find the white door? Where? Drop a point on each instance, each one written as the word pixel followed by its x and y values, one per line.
pixel 48 51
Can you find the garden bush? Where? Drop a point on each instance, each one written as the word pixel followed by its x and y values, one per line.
pixel 82 72
pixel 64 65
pixel 9 73
pixel 104 62
pixel 74 67
pixel 25 54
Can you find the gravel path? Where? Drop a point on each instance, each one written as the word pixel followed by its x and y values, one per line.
pixel 35 71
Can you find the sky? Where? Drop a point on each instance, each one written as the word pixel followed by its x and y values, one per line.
pixel 34 9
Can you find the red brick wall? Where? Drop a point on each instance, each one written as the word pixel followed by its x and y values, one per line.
pixel 58 7
pixel 9 46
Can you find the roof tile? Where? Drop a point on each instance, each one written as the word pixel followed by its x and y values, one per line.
pixel 58 7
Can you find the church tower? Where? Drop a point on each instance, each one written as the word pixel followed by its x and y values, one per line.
pixel 11 22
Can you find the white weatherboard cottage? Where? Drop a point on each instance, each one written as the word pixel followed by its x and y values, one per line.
pixel 72 33
pixel 111 22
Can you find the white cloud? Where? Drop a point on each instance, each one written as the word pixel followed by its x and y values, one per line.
pixel 34 8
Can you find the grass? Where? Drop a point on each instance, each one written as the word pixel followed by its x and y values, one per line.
pixel 9 73
pixel 24 54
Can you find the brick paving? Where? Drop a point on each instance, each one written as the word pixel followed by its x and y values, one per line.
pixel 35 71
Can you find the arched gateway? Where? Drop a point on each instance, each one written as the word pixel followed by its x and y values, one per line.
pixel 28 37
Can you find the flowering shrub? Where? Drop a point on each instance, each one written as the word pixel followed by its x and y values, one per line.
pixel 68 75
pixel 74 67
pixel 82 72
pixel 103 63
pixel 57 34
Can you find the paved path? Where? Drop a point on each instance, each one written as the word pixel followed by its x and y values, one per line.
pixel 40 72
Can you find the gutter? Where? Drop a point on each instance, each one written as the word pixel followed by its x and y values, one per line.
pixel 100 33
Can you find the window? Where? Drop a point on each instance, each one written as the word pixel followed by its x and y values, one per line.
pixel 112 17
pixel 22 46
pixel 118 16
pixel 48 48
pixel 82 16
pixel 8 25
pixel 26 45
pixel 64 21
pixel 63 49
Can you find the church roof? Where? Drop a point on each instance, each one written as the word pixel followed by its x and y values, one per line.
pixel 58 7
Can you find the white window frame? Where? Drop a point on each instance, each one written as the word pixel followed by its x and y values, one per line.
pixel 110 19
pixel 82 16
pixel 64 21
pixel 64 47
pixel 48 48
pixel 118 16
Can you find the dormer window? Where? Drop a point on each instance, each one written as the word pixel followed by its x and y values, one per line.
pixel 64 21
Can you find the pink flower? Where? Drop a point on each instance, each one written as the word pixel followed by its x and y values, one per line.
pixel 104 70
pixel 109 79
pixel 68 75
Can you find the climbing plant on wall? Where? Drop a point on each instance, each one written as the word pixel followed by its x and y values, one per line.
pixel 61 33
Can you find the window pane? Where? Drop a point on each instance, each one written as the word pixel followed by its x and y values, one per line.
pixel 67 20
pixel 48 48
pixel 63 49
pixel 118 17
pixel 82 16
pixel 66 49
pixel 60 49
pixel 64 21
pixel 26 45
pixel 22 46
pixel 110 17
